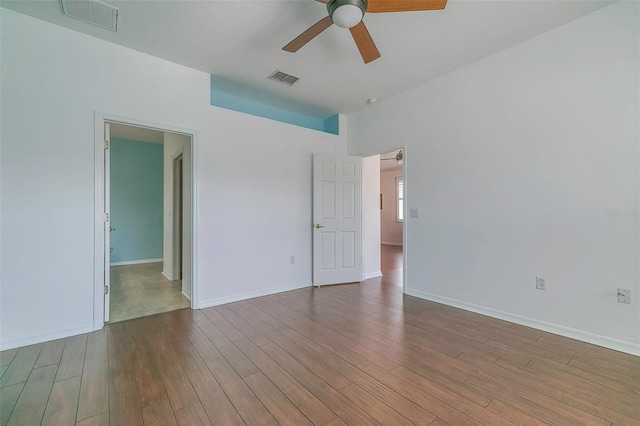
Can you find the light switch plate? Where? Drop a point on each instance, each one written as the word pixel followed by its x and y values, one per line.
pixel 624 295
pixel 414 212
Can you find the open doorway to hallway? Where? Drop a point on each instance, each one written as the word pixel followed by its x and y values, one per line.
pixel 383 209
pixel 141 290
pixel 392 265
pixel 146 205
pixel 392 209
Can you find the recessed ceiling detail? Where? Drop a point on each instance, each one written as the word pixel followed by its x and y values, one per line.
pixel 92 12
pixel 229 94
pixel 242 40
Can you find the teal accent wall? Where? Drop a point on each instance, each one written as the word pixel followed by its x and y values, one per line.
pixel 231 95
pixel 332 124
pixel 137 191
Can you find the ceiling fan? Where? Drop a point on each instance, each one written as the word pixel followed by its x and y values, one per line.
pixel 399 158
pixel 349 14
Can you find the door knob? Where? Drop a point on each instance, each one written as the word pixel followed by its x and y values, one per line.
pixel 111 229
pixel 318 226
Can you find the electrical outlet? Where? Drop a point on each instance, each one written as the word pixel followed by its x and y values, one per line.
pixel 292 259
pixel 624 295
pixel 541 283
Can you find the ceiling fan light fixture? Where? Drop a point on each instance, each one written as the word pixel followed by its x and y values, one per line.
pixel 346 13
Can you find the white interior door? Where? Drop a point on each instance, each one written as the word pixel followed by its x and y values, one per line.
pixel 337 219
pixel 107 222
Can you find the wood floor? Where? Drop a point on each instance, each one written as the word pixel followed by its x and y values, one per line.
pixel 141 290
pixel 359 354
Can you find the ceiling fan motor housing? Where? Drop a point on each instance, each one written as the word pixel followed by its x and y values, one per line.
pixel 347 13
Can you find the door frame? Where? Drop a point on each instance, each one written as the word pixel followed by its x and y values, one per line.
pixel 177 221
pixel 100 119
pixel 404 222
pixel 405 234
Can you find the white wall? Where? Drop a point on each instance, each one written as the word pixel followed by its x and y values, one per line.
pixel 371 217
pixel 53 80
pixel 513 162
pixel 390 228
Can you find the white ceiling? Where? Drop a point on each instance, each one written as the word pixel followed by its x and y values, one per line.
pixel 242 40
pixel 135 133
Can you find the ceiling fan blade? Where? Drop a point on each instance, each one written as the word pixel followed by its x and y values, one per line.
pixel 365 43
pixel 378 6
pixel 308 35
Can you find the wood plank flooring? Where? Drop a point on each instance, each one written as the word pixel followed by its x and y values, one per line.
pixel 358 354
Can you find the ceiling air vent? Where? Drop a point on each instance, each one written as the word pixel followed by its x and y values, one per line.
pixel 283 77
pixel 93 12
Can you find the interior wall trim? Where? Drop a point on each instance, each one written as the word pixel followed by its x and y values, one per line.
pixel 46 337
pixel 136 262
pixel 373 275
pixel 249 295
pixel 572 333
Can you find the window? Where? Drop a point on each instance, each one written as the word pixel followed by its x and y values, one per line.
pixel 400 199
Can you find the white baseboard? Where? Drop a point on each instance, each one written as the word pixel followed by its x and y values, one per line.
pixel 186 295
pixel 387 243
pixel 248 295
pixel 166 276
pixel 40 338
pixel 136 262
pixel 372 275
pixel 584 336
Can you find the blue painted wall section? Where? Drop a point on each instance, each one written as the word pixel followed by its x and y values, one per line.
pixel 137 183
pixel 231 95
pixel 332 124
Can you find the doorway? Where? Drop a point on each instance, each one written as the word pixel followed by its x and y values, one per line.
pixel 144 236
pixel 178 199
pixel 392 217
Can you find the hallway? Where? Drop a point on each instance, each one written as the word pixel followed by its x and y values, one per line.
pixel 392 263
pixel 141 290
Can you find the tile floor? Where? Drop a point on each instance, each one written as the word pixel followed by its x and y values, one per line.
pixel 141 290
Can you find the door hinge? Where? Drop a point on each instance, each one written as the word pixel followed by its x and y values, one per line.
pixel 106 289
pixel 106 144
pixel 106 217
